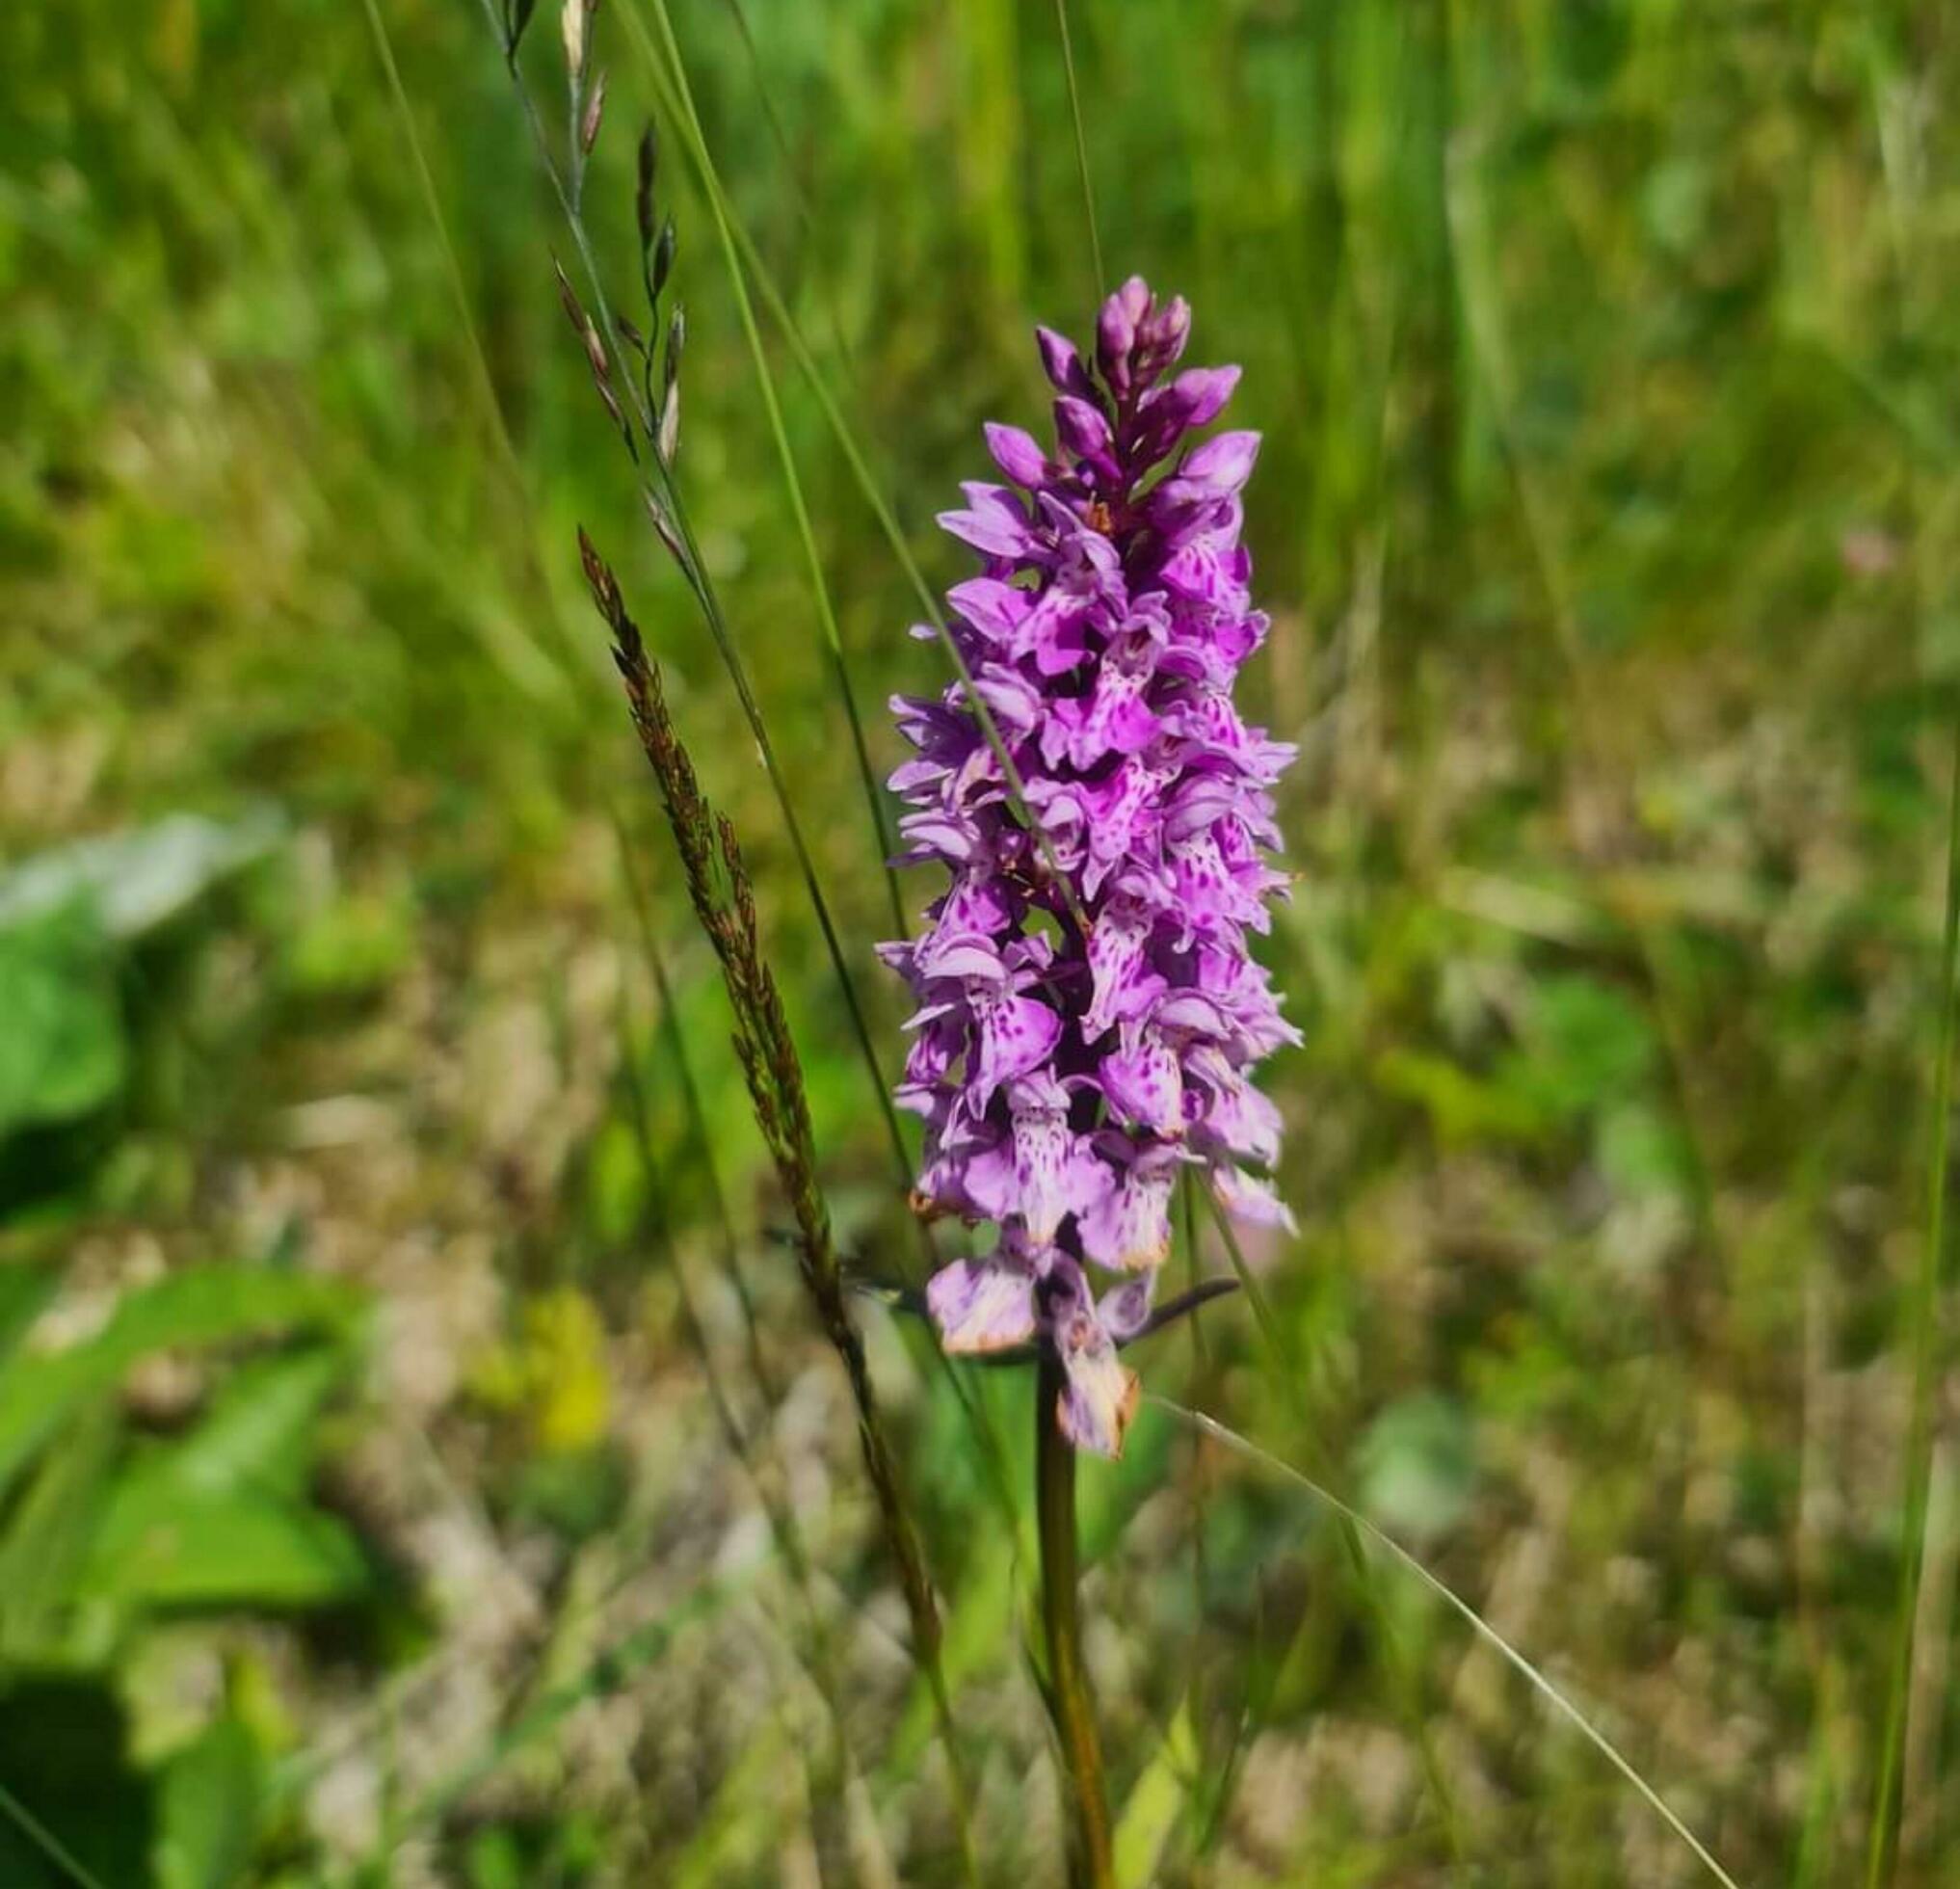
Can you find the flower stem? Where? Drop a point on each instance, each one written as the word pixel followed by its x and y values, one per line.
pixel 1093 1865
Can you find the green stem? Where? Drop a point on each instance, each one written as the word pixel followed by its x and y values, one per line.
pixel 1081 146
pixel 1924 1319
pixel 1068 1701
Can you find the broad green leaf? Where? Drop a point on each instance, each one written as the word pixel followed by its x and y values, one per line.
pixel 262 1425
pixel 203 1306
pixel 163 1545
pixel 61 1048
pixel 1150 1812
pixel 138 879
pixel 23 1290
pixel 208 1810
pixel 47 1541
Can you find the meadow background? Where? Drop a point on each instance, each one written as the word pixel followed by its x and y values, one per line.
pixel 365 1515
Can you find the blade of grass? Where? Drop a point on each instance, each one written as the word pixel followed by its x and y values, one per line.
pixel 723 903
pixel 667 72
pixel 562 636
pixel 781 1520
pixel 1922 1315
pixel 670 500
pixel 792 484
pixel 1488 1633
pixel 1143 1827
pixel 45 1841
pixel 799 192
pixel 1289 1375
pixel 482 385
pixel 847 443
pixel 1070 1705
pixel 701 1143
pixel 991 1452
pixel 1892 1823
pixel 1081 144
pixel 702 158
pixel 1438 1783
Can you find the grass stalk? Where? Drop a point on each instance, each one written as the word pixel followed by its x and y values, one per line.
pixel 783 1528
pixel 667 504
pixel 1081 144
pixel 724 907
pixel 1923 1316
pixel 1363 1528
pixel 668 90
pixel 667 72
pixel 1093 1856
pixel 792 484
pixel 701 1142
pixel 58 1854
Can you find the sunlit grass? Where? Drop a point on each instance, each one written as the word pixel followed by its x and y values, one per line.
pixel 1608 510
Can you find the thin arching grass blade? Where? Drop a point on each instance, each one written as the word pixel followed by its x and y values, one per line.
pixel 666 500
pixel 792 483
pixel 799 192
pixel 1924 1319
pixel 781 1520
pixel 672 91
pixel 1482 1628
pixel 668 75
pixel 44 1840
pixel 1081 144
pixel 1289 1375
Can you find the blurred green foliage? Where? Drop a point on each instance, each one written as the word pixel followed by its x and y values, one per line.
pixel 351 1432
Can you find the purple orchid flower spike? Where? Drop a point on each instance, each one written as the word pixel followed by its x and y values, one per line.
pixel 1077 1048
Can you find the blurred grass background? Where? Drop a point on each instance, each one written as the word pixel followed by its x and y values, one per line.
pixel 364 1518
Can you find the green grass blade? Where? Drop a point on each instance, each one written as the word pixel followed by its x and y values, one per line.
pixel 482 385
pixel 1289 1373
pixel 848 444
pixel 792 483
pixel 992 1453
pixel 1922 1315
pixel 1081 144
pixel 787 1538
pixel 706 595
pixel 1482 1628
pixel 799 192
pixel 44 1840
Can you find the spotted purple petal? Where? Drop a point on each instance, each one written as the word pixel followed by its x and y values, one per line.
pixel 1100 1392
pixel 982 1304
pixel 1128 1229
pixel 1088 1015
